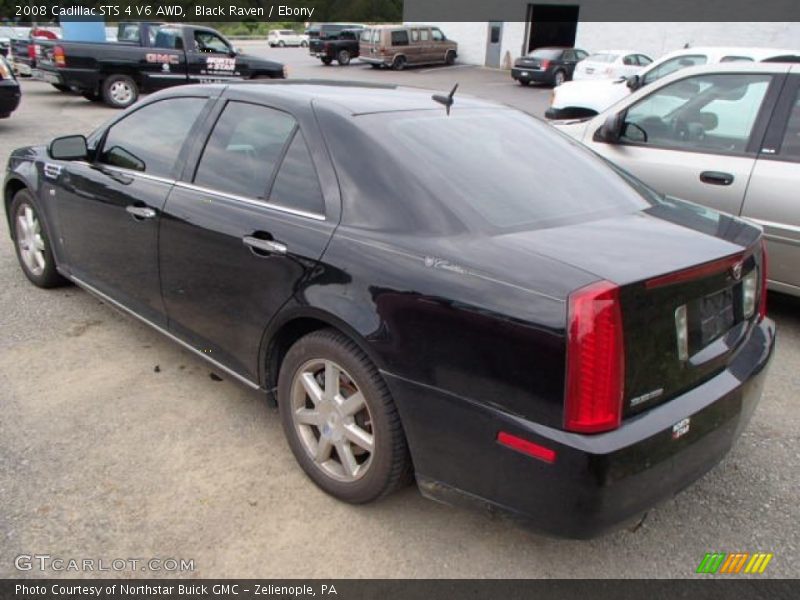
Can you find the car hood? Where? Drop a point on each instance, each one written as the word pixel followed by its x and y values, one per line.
pixel 596 94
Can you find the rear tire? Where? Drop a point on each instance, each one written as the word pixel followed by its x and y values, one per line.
pixel 399 63
pixel 31 243
pixel 559 77
pixel 120 91
pixel 326 61
pixel 343 57
pixel 304 44
pixel 524 82
pixel 374 459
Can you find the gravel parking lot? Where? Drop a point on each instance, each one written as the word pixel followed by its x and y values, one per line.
pixel 116 443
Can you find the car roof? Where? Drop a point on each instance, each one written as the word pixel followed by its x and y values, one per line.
pixel 617 51
pixel 351 98
pixel 718 52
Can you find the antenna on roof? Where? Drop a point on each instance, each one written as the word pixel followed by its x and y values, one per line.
pixel 446 100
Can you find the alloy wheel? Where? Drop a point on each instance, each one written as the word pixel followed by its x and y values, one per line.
pixel 332 420
pixel 30 240
pixel 121 92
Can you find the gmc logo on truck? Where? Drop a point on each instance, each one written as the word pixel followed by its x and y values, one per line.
pixel 154 57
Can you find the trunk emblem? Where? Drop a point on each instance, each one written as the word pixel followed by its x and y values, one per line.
pixel 736 271
pixel 680 428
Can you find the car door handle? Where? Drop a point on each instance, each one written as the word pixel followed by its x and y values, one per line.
pixel 260 246
pixel 716 178
pixel 140 212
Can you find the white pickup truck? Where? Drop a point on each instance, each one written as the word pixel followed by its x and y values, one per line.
pixel 581 99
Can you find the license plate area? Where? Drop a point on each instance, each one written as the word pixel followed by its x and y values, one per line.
pixel 712 317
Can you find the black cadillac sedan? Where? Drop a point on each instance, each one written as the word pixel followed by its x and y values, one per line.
pixel 10 92
pixel 569 352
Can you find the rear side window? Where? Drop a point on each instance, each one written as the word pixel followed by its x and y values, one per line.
pixel 150 139
pixel 725 59
pixel 790 147
pixel 366 35
pixel 548 53
pixel 602 58
pixel 297 186
pixel 400 38
pixel 415 35
pixel 244 149
pixel 425 35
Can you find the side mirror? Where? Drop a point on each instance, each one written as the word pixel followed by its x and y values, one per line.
pixel 634 82
pixel 69 147
pixel 611 130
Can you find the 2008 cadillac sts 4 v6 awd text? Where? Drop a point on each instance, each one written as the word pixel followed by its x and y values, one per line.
pixel 472 299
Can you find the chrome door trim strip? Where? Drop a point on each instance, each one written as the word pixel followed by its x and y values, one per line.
pixel 106 298
pixel 251 201
pixel 130 172
pixel 774 225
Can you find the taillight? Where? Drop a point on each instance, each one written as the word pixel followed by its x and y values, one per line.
pixel 545 64
pixel 31 50
pixel 762 305
pixel 59 57
pixel 595 359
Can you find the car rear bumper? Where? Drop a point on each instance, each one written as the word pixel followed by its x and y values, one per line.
pixel 597 481
pixel 81 79
pixel 538 75
pixel 10 95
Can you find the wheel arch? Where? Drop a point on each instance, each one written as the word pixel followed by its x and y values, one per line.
pixel 288 327
pixel 12 186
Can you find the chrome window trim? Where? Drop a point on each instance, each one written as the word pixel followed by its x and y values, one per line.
pixel 130 172
pixel 93 290
pixel 250 201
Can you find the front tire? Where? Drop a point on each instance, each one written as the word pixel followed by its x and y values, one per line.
pixel 343 57
pixel 281 44
pixel 120 91
pixel 399 63
pixel 31 243
pixel 340 420
pixel 450 58
pixel 304 44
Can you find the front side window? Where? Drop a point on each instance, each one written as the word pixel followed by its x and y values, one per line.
pixel 672 65
pixel 208 41
pixel 244 149
pixel 438 36
pixel 150 139
pixel 713 113
pixel 297 186
pixel 644 60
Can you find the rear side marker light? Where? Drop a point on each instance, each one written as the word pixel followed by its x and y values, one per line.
pixel 595 359
pixel 58 56
pixel 525 447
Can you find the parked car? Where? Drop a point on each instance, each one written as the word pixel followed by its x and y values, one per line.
pixel 164 56
pixel 443 313
pixel 398 46
pixel 10 92
pixel 724 136
pixel 286 37
pixel 23 52
pixel 611 64
pixel 343 48
pixel 552 66
pixel 582 99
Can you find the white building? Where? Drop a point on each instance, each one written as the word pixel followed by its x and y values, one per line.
pixel 498 43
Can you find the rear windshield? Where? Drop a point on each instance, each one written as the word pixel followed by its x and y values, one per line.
pixel 602 58
pixel 551 53
pixel 495 170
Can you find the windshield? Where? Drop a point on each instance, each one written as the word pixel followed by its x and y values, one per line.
pixel 495 170
pixel 549 53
